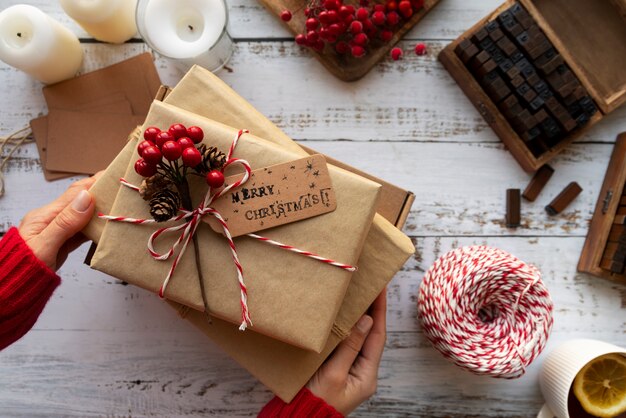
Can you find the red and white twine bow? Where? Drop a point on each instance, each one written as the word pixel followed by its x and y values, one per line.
pixel 486 310
pixel 192 221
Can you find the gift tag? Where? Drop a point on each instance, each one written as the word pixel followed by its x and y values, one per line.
pixel 276 195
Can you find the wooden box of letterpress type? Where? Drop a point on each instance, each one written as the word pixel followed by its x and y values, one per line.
pixel 604 252
pixel 542 72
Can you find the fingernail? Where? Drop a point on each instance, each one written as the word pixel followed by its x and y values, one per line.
pixel 365 323
pixel 82 201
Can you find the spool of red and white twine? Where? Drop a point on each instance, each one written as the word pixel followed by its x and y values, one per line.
pixel 485 310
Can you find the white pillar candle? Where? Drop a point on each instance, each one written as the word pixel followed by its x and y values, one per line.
pixel 37 44
pixel 106 20
pixel 189 31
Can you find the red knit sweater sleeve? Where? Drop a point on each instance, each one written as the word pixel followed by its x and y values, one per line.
pixel 26 284
pixel 304 405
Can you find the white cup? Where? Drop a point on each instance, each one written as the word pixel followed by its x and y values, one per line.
pixel 561 367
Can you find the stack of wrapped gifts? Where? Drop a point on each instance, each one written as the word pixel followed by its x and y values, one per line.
pixel 313 240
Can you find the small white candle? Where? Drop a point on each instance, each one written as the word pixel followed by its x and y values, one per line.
pixel 190 31
pixel 35 43
pixel 106 20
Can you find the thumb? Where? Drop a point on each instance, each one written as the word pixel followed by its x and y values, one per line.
pixel 73 218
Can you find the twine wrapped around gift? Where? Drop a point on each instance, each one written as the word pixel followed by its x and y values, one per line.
pixel 192 221
pixel 485 310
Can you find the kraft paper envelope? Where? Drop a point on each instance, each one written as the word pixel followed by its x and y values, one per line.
pixel 290 297
pixel 281 367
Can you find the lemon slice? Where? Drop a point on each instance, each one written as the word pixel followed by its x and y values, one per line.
pixel 600 386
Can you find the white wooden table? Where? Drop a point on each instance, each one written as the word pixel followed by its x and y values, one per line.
pixel 104 349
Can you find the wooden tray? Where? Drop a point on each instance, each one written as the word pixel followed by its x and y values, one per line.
pixel 591 38
pixel 604 215
pixel 343 67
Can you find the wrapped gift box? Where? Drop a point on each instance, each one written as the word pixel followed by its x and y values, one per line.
pixel 280 366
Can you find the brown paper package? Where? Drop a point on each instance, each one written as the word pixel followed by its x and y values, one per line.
pixel 291 298
pixel 283 368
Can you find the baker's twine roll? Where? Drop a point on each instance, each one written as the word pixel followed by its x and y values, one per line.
pixel 485 310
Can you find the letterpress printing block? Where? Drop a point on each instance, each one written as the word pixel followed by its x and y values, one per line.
pixel 567 89
pixel 492 26
pixel 520 15
pixel 498 56
pixel 588 106
pixel 529 96
pixel 523 41
pixel 496 34
pixel 485 68
pixel 513 208
pixel 563 199
pixel 546 94
pixel 537 146
pixel 501 93
pixel 569 124
pixel 486 44
pixel 480 59
pixel 541 115
pixel 555 80
pixel 537 183
pixel 538 49
pixel 479 35
pixel 512 72
pixel 517 56
pixel 582 119
pixel 533 78
pixel 517 81
pixel 489 78
pixel 506 65
pixel 536 103
pixel 531 134
pixel 466 50
pixel 506 46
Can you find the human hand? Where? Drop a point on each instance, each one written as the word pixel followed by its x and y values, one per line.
pixel 349 376
pixel 52 231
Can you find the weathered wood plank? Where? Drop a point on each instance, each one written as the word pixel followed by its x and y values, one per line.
pixel 412 100
pixel 453 196
pixel 250 20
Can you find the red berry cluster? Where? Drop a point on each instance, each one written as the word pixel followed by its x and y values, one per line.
pixel 160 151
pixel 351 30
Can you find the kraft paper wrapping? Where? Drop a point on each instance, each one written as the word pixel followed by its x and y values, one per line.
pixel 290 297
pixel 283 368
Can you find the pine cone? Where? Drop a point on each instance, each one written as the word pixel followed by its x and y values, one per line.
pixel 150 186
pixel 164 205
pixel 212 159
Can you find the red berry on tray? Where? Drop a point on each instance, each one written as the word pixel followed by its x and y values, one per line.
pixel 300 39
pixel 171 150
pixel 185 142
pixel 386 35
pixel 396 54
pixel 417 4
pixel 311 23
pixel 162 138
pixel 360 39
pixel 378 18
pixel 342 47
pixel 215 179
pixel 195 133
pixel 150 133
pixel 144 169
pixel 405 8
pixel 143 145
pixel 178 130
pixel 357 51
pixel 356 27
pixel 393 18
pixel 420 49
pixel 191 157
pixel 362 13
pixel 152 155
pixel 285 15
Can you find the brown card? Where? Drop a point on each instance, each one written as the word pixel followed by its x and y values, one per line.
pixel 277 195
pixel 86 142
pixel 39 126
pixel 114 103
pixel 136 77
